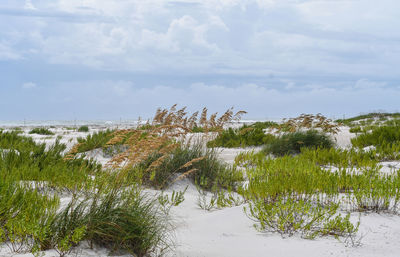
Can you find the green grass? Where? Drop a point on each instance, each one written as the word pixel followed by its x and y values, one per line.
pixel 369 116
pixel 291 143
pixel 27 160
pixel 41 131
pixel 300 195
pixel 209 171
pixel 94 141
pixel 114 217
pixel 106 208
pixel 83 129
pixel 378 137
pixel 252 135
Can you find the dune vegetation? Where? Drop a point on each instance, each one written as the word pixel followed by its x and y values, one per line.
pixel 300 183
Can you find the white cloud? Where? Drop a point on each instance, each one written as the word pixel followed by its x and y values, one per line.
pixel 28 5
pixel 7 53
pixel 186 36
pixel 29 85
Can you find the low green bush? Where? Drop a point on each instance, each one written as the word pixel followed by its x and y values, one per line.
pixel 297 195
pixel 193 162
pixel 117 218
pixel 24 159
pixel 94 141
pixel 355 130
pixel 291 143
pixel 41 131
pixel 378 136
pixel 83 129
pixel 243 137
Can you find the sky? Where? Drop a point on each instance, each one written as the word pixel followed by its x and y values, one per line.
pixel 121 59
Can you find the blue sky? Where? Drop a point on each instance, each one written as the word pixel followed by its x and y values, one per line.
pixel 111 59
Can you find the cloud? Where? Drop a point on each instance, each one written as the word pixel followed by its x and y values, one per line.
pixel 28 5
pixel 8 53
pixel 266 56
pixel 29 85
pixel 210 36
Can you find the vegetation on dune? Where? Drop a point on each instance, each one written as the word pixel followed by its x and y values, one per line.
pixel 83 129
pixel 194 162
pixel 307 187
pixel 23 159
pixel 370 117
pixel 41 131
pixel 292 143
pixel 157 152
pixel 93 141
pixel 247 135
pixel 106 209
pixel 300 195
pixel 378 136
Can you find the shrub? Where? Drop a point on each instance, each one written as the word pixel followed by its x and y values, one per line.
pixel 370 116
pixel 355 130
pixel 290 195
pixel 193 162
pixel 93 141
pixel 291 143
pixel 378 137
pixel 243 137
pixel 27 160
pixel 288 216
pixel 117 218
pixel 83 129
pixel 41 131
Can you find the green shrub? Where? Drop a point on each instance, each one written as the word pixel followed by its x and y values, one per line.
pixel 26 160
pixel 116 218
pixel 288 216
pixel 24 215
pixel 355 130
pixel 293 195
pixel 243 137
pixel 378 136
pixel 83 129
pixel 291 143
pixel 94 141
pixel 41 131
pixel 193 162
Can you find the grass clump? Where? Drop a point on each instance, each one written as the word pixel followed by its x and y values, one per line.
pixel 83 129
pixel 252 135
pixel 106 209
pixel 41 131
pixel 291 143
pixel 23 159
pixel 378 136
pixel 93 141
pixel 293 195
pixel 115 217
pixel 368 118
pixel 194 162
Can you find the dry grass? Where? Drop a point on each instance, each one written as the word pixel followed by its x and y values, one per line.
pixel 310 121
pixel 163 135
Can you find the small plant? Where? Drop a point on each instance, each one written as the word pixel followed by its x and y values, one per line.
pixel 288 216
pixel 41 131
pixel 291 143
pixel 378 137
pixel 243 137
pixel 355 130
pixel 83 129
pixel 168 202
pixel 309 122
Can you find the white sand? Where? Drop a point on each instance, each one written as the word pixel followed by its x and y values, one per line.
pixel 230 233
